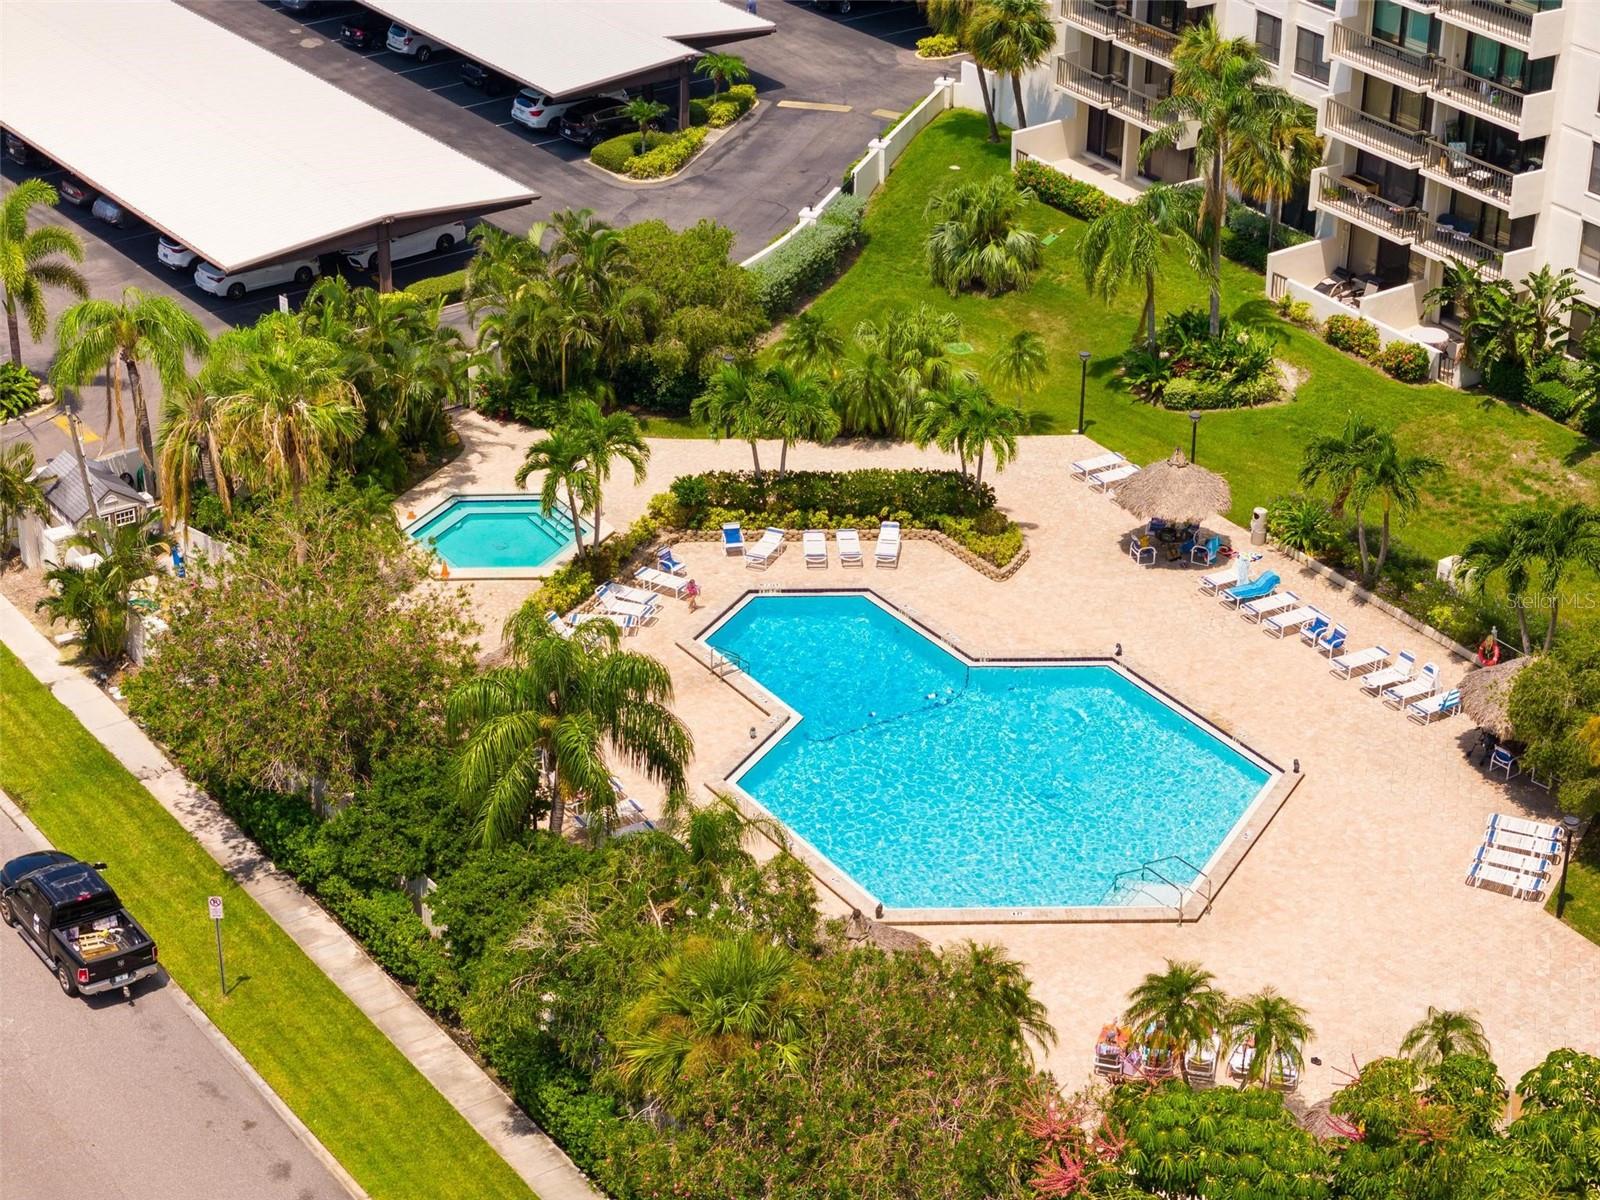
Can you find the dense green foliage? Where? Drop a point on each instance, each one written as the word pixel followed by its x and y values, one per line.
pixel 1072 196
pixel 810 259
pixel 1555 710
pixel 19 390
pixel 446 287
pixel 1352 334
pixel 1405 361
pixel 977 241
pixel 94 599
pixel 1193 370
pixel 938 45
pixel 614 154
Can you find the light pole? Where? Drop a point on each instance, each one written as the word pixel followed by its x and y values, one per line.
pixel 1569 829
pixel 1083 386
pixel 1194 433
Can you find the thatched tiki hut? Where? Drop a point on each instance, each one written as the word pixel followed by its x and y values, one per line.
pixel 1176 490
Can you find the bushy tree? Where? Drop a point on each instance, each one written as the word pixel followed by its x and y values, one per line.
pixel 976 241
pixel 1553 704
pixel 95 598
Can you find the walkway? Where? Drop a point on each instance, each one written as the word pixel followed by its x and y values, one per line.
pixel 460 1080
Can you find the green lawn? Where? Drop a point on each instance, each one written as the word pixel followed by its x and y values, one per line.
pixel 1583 889
pixel 386 1123
pixel 1497 455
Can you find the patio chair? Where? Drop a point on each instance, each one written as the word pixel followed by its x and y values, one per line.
pixel 670 563
pixel 1141 551
pixel 814 545
pixel 662 581
pixel 886 553
pixel 1387 677
pixel 1086 467
pixel 1331 642
pixel 1444 704
pixel 1315 628
pixel 1105 480
pixel 767 549
pixel 1501 759
pixel 1206 554
pixel 1281 623
pixel 1257 610
pixel 1424 684
pixel 1263 585
pixel 849 542
pixel 1347 665
pixel 732 538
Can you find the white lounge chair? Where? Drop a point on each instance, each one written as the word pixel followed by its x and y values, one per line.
pixel 1549 847
pixel 815 545
pixel 1086 467
pixel 1424 684
pixel 887 551
pixel 1442 704
pixel 849 548
pixel 732 538
pixel 1215 581
pixel 1511 860
pixel 633 595
pixel 612 604
pixel 1281 623
pixel 1358 662
pixel 1518 883
pixel 1402 670
pixel 559 624
pixel 625 622
pixel 1533 829
pixel 662 581
pixel 1266 606
pixel 764 551
pixel 1106 480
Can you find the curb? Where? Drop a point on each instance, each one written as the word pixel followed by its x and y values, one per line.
pixel 20 819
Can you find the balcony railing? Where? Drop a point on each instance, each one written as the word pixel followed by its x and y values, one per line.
pixel 1473 174
pixel 1462 247
pixel 1483 96
pixel 1099 19
pixel 1363 129
pixel 1146 38
pixel 1393 62
pixel 1395 221
pixel 1512 23
pixel 1105 91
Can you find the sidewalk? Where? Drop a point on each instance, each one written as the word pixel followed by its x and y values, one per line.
pixel 461 1081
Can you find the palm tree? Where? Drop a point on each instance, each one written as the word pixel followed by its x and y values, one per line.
pixel 976 242
pixel 895 363
pixel 96 598
pixel 993 979
pixel 190 440
pixel 733 406
pixel 643 113
pixel 708 1004
pixel 29 260
pixel 1337 460
pixel 967 419
pixel 1183 1004
pixel 1215 82
pixel 1011 37
pixel 1127 243
pixel 1443 1032
pixel 797 410
pixel 544 724
pixel 116 337
pixel 1506 551
pixel 809 345
pixel 1274 151
pixel 563 456
pixel 1533 550
pixel 606 438
pixel 1021 362
pixel 19 493
pixel 1275 1028
pixel 1395 480
pixel 722 70
pixel 954 19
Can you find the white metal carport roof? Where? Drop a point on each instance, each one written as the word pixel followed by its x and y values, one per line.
pixel 215 141
pixel 568 47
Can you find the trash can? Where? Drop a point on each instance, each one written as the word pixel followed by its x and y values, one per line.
pixel 1258 527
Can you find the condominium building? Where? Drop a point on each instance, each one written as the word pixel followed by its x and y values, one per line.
pixel 1462 131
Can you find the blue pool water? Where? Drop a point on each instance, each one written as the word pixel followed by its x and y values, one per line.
pixel 936 785
pixel 495 533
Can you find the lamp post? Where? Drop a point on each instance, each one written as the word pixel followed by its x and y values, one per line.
pixel 1194 433
pixel 1569 829
pixel 1083 386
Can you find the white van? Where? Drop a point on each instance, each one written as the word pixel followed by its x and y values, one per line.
pixel 219 283
pixel 424 241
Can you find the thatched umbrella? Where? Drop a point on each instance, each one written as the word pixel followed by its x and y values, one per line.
pixel 1318 1120
pixel 1175 489
pixel 1486 692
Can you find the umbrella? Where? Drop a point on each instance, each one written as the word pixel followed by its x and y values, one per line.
pixel 1485 693
pixel 1175 489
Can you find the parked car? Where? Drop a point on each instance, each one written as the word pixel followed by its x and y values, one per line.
pixel 411 43
pixel 593 121
pixel 425 241
pixel 475 74
pixel 75 191
pixel 299 6
pixel 17 150
pixel 72 919
pixel 112 213
pixel 220 283
pixel 364 30
pixel 174 255
pixel 538 111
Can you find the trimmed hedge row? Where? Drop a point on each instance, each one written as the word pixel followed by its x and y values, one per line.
pixel 664 154
pixel 874 493
pixel 810 259
pixel 448 285
pixel 614 154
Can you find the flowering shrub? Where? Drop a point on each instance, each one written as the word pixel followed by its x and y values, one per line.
pixel 1351 334
pixel 1406 361
pixel 1071 196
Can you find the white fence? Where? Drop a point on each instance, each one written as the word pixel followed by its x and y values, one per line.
pixel 867 176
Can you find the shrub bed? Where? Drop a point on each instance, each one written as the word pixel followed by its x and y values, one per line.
pixel 1353 335
pixel 1405 361
pixel 1244 238
pixel 1193 370
pixel 1072 196
pixel 664 154
pixel 940 45
pixel 19 390
pixel 808 261
pixel 448 285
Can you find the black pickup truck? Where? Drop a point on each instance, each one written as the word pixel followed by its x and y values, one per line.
pixel 73 920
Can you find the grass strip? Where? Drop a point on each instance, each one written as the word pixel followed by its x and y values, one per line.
pixel 370 1107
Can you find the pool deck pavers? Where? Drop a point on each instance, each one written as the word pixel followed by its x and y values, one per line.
pixel 1352 902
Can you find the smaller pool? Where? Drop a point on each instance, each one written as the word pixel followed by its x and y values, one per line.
pixel 495 533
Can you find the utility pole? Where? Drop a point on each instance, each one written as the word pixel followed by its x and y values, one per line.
pixel 69 402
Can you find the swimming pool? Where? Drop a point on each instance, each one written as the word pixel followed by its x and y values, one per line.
pixel 494 533
pixel 935 782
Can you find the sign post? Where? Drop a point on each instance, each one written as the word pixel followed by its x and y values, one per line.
pixel 214 907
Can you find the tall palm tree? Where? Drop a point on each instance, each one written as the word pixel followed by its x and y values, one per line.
pixel 1128 242
pixel 985 426
pixel 954 19
pixel 1506 552
pixel 1274 151
pixel 1183 1003
pixel 797 410
pixel 190 441
pixel 644 113
pixel 733 406
pixel 544 724
pixel 606 438
pixel 1011 37
pixel 31 260
pixel 1337 461
pixel 809 345
pixel 563 456
pixel 722 70
pixel 101 335
pixel 1443 1032
pixel 1394 479
pixel 1534 550
pixel 1020 363
pixel 19 494
pixel 1276 1028
pixel 992 978
pixel 976 240
pixel 708 1004
pixel 1215 81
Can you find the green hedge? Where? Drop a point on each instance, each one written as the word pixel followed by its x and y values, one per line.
pixel 19 390
pixel 1405 361
pixel 940 45
pixel 449 286
pixel 614 154
pixel 669 156
pixel 809 260
pixel 1072 196
pixel 1354 335
pixel 1244 240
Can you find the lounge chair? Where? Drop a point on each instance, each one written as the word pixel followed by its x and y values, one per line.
pixel 1332 642
pixel 1359 662
pixel 1086 467
pixel 1501 759
pixel 662 581
pixel 1281 623
pixel 887 551
pixel 1257 610
pixel 1533 829
pixel 764 551
pixel 1511 860
pixel 633 595
pixel 671 564
pixel 732 538
pixel 849 542
pixel 1543 847
pixel 1315 628
pixel 559 624
pixel 1518 883
pixel 1141 551
pixel 614 605
pixel 1206 554
pixel 1104 481
pixel 1214 582
pixel 1387 677
pixel 1262 585
pixel 814 543
pixel 625 622
pixel 1443 704
pixel 1424 684
pixel 1200 1064
pixel 627 802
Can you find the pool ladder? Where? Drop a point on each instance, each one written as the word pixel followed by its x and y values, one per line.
pixel 1153 881
pixel 725 662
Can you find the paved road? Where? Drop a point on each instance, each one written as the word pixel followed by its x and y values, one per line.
pixel 119 1101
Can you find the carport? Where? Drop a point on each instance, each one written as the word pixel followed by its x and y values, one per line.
pixel 158 120
pixel 577 47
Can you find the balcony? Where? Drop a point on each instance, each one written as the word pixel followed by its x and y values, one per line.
pixel 1510 23
pixel 1355 200
pixel 1394 142
pixel 1366 53
pixel 1092 16
pixel 1448 244
pixel 1473 175
pixel 1143 38
pixel 1105 91
pixel 1482 96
